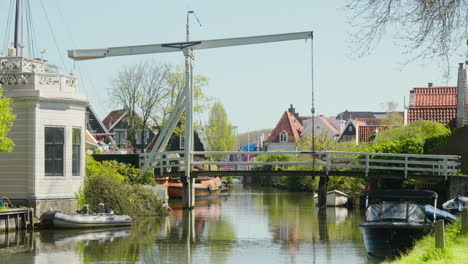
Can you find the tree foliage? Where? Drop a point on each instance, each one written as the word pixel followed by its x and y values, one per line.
pixel 149 91
pixel 175 86
pixel 125 92
pixel 421 130
pixel 322 143
pixel 393 118
pixel 428 28
pixel 6 122
pixel 219 133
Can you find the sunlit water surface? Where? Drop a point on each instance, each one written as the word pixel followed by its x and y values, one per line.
pixel 248 225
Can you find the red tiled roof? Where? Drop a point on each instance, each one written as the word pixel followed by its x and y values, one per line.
pixel 437 103
pixel 442 115
pixel 113 117
pixel 366 131
pixel 288 123
pixel 441 96
pixel 358 123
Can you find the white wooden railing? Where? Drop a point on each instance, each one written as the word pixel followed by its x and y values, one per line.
pixel 421 164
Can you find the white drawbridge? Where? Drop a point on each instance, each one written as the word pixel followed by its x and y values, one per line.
pixel 185 101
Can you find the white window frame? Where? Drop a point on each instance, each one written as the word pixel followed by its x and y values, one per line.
pixel 283 137
pixel 64 149
pixel 182 142
pixel 117 131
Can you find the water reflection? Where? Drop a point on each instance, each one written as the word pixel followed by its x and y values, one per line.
pixel 250 225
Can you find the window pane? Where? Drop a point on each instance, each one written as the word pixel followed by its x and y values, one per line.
pixel 76 153
pixel 54 138
pixel 49 134
pixel 58 136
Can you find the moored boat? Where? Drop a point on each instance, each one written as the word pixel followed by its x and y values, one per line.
pixel 62 220
pixel 334 198
pixel 56 219
pixel 456 204
pixel 395 219
pixel 204 187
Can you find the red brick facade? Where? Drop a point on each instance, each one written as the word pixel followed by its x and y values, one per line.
pixel 288 123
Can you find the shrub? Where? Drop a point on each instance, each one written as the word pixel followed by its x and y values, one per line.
pixel 410 146
pixel 134 200
pixel 421 129
pixel 119 187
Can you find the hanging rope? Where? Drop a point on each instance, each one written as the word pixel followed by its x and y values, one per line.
pixel 30 28
pixel 6 45
pixel 313 102
pixel 53 36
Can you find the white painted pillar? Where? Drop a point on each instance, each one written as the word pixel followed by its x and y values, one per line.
pixel 188 196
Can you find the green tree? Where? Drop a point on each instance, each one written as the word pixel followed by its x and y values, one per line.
pixel 393 118
pixel 175 86
pixel 6 122
pixel 322 143
pixel 219 133
pixel 421 130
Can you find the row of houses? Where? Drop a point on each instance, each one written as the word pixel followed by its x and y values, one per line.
pixel 436 103
pixel 112 135
pixel 443 104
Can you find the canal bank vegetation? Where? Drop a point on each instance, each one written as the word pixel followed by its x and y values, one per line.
pixel 6 122
pixel 425 251
pixel 420 137
pixel 119 187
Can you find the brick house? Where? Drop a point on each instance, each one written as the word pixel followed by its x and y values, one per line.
pixel 435 103
pixel 286 133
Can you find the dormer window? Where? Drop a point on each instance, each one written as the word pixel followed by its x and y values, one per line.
pixel 283 136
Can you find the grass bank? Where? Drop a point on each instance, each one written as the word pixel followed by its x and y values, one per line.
pixel 424 251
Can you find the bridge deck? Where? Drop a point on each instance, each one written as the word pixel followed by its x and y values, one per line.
pixel 196 173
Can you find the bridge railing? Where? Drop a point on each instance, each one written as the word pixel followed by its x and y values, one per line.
pixel 405 164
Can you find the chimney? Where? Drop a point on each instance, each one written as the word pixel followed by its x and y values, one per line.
pixel 11 52
pixel 411 98
pixel 461 86
pixel 342 125
pixel 429 85
pixel 291 109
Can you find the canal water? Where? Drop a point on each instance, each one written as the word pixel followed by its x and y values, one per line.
pixel 247 225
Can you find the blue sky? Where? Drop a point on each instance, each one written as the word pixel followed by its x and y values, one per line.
pixel 255 83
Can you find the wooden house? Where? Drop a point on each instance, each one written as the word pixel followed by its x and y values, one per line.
pixel 117 125
pixel 363 130
pixel 46 167
pixel 97 129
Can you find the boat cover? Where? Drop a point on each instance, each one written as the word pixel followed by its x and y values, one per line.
pixel 440 214
pixel 457 203
pixel 401 194
pixel 395 211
